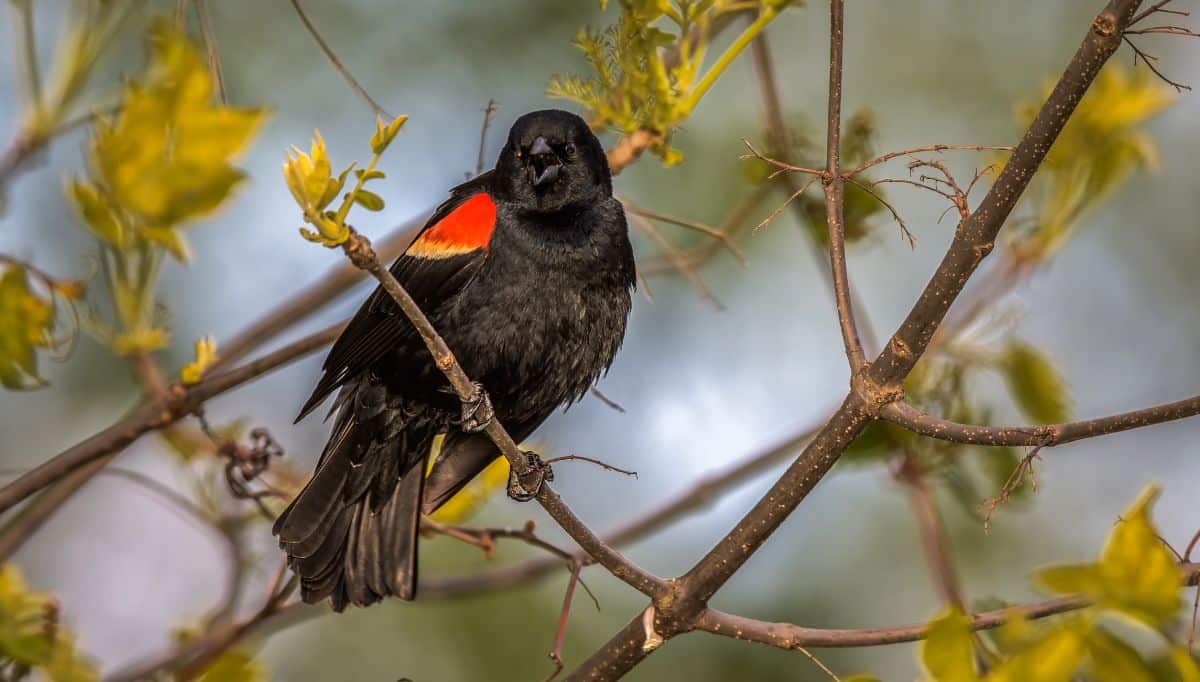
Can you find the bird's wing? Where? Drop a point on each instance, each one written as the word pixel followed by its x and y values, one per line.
pixel 442 259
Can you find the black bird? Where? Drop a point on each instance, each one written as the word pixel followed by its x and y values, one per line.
pixel 526 271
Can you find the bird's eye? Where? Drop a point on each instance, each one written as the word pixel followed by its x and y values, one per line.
pixel 570 149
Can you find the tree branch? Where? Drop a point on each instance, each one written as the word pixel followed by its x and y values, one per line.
pixel 880 383
pixel 178 402
pixel 1035 436
pixel 835 189
pixel 788 636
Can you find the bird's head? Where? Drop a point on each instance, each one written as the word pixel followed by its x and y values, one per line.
pixel 552 162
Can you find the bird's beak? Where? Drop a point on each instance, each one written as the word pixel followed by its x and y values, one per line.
pixel 544 163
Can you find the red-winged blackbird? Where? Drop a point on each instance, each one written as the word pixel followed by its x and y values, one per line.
pixel 526 272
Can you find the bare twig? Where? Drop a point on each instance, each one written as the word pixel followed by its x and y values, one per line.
pixel 483 131
pixel 210 47
pixel 337 64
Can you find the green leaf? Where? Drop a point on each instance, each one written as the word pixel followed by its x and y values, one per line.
pixel 368 200
pixel 947 652
pixel 1035 383
pixel 1116 661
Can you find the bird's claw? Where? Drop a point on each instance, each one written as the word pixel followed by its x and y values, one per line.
pixel 477 412
pixel 525 487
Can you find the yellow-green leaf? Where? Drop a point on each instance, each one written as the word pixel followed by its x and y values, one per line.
pixel 1035 383
pixel 947 653
pixel 206 356
pixel 96 212
pixel 1136 574
pixel 26 325
pixel 31 634
pixel 384 134
pixel 368 200
pixel 1116 661
pixel 1055 658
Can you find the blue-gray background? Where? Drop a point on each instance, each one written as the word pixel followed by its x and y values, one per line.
pixel 702 387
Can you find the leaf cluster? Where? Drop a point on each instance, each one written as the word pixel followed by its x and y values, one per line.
pixel 634 85
pixel 1136 579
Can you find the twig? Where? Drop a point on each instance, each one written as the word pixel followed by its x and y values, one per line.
pixel 337 64
pixel 721 237
pixel 1150 61
pixel 1047 435
pixel 599 395
pixel 483 131
pixel 602 465
pixel 884 158
pixel 210 47
pixel 904 231
pixel 673 255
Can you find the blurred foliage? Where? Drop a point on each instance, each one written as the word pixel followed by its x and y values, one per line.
pixel 1035 384
pixel 26 324
pixel 163 160
pixel 30 302
pixel 1098 150
pixel 31 636
pixel 233 665
pixel 634 86
pixel 310 179
pixel 53 103
pixel 1136 577
pixel 205 357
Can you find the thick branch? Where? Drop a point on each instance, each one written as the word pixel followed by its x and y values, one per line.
pixel 178 402
pixel 1035 436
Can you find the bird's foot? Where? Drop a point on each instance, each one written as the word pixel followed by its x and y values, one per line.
pixel 524 488
pixel 477 412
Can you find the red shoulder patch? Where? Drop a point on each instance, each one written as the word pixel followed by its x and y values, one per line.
pixel 465 229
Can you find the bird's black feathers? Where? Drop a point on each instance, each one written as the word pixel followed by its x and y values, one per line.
pixel 526 272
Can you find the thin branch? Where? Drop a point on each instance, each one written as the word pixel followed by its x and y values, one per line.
pixel 210 47
pixel 1034 436
pixel 788 636
pixel 916 150
pixel 483 131
pixel 835 197
pixel 337 64
pixel 673 255
pixel 177 403
pixel 722 238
